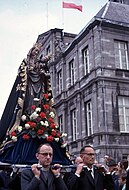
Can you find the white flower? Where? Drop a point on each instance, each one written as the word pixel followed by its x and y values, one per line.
pixel 19 128
pixel 46 135
pixel 56 139
pixel 52 114
pixel 27 126
pixel 36 99
pixel 56 126
pixel 14 138
pixel 64 145
pixel 46 124
pixel 23 117
pixel 38 109
pixel 42 123
pixel 64 135
pixel 34 115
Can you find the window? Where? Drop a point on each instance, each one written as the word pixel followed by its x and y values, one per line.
pixel 86 61
pixel 88 112
pixel 48 50
pixel 60 81
pixel 121 55
pixel 71 72
pixel 60 121
pixel 122 1
pixel 123 103
pixel 74 124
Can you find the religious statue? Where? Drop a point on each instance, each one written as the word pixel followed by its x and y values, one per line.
pixel 29 118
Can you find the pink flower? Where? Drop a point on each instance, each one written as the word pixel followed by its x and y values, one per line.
pixel 46 106
pixel 26 137
pixel 32 124
pixel 49 138
pixel 53 125
pixel 42 115
pixel 33 107
pixel 40 132
pixel 50 120
pixel 58 134
pixel 53 133
pixel 13 133
pixel 45 96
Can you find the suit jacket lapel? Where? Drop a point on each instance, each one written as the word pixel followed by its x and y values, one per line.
pixel 50 179
pixel 89 176
pixel 43 178
pixel 47 183
pixel 95 176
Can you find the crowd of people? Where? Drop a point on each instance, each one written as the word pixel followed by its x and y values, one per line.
pixel 86 173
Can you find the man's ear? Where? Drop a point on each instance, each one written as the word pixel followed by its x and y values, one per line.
pixel 37 155
pixel 81 155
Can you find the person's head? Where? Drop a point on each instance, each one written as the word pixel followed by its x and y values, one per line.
pixel 122 179
pixel 44 154
pixel 78 160
pixel 122 166
pixel 87 154
pixel 107 158
pixel 112 165
pixel 34 51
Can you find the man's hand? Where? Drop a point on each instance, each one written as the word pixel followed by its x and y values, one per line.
pixel 56 169
pixel 79 168
pixel 35 170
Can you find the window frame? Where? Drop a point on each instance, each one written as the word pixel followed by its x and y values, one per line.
pixel 72 72
pixel 74 124
pixel 60 123
pixel 86 62
pixel 123 113
pixel 118 51
pixel 60 81
pixel 89 118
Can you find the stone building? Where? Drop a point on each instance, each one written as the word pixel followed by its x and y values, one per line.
pixel 90 80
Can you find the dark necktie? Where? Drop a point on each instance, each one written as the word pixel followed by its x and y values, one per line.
pixel 45 173
pixel 45 176
pixel 90 171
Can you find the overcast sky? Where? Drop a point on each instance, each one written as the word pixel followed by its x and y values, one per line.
pixel 21 21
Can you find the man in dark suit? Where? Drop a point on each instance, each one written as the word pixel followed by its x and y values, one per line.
pixel 41 176
pixel 88 177
pixel 113 169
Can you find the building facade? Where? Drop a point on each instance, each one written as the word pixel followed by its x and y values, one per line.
pixel 90 81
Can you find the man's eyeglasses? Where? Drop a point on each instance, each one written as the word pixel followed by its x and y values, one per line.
pixel 88 154
pixel 45 154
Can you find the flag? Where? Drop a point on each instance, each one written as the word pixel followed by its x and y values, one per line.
pixel 72 4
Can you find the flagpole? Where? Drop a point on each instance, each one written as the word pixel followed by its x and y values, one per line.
pixel 62 16
pixel 47 14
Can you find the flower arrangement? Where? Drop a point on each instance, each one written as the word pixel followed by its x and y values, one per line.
pixel 40 123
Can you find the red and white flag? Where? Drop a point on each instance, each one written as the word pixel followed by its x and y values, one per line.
pixel 72 4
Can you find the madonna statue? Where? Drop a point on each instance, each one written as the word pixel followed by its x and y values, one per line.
pixel 29 118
